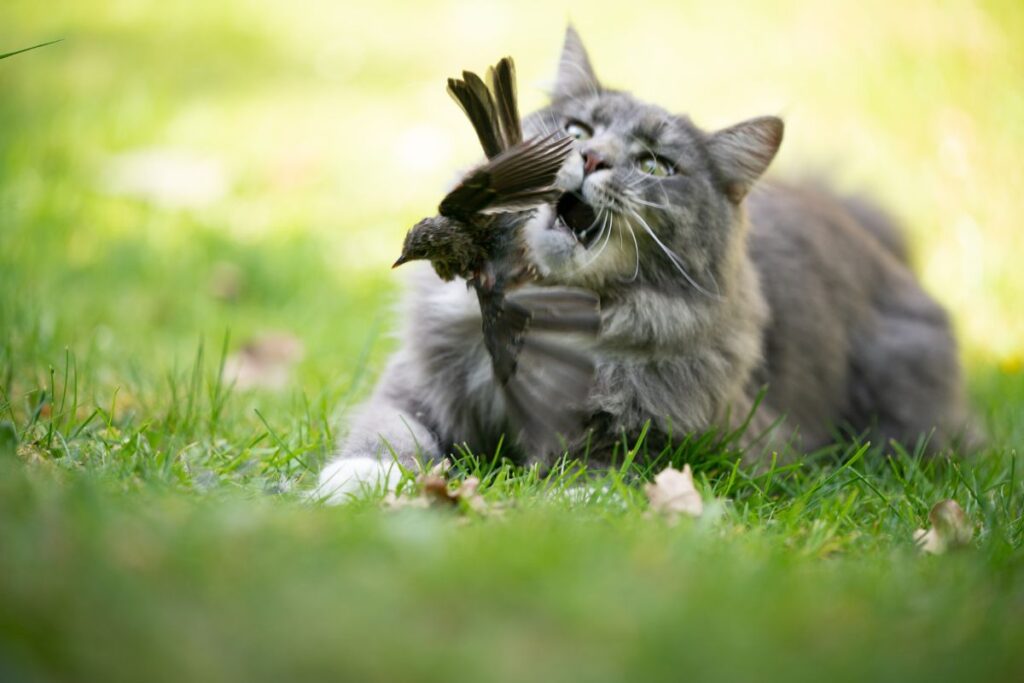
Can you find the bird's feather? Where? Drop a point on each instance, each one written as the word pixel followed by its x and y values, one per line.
pixel 559 309
pixel 517 179
pixel 472 95
pixel 546 397
pixel 508 317
pixel 502 77
pixel 537 337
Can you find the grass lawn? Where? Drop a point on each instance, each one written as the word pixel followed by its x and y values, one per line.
pixel 179 179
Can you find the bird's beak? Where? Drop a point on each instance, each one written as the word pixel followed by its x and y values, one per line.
pixel 400 261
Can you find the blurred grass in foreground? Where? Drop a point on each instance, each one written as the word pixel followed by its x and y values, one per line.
pixel 186 175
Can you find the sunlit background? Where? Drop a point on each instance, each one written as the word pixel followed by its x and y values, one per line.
pixel 191 184
pixel 174 170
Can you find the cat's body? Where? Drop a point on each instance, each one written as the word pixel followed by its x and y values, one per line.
pixel 711 290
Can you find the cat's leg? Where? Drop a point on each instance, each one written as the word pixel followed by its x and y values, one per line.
pixel 385 434
pixel 382 437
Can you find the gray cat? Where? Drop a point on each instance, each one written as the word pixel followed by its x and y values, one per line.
pixel 713 287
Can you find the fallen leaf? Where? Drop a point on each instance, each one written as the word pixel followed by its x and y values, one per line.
pixel 265 362
pixel 436 490
pixel 440 469
pixel 929 542
pixel 672 493
pixel 432 490
pixel 950 529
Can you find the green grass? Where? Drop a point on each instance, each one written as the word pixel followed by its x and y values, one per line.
pixel 153 521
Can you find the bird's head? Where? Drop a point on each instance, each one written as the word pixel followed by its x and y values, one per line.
pixel 419 243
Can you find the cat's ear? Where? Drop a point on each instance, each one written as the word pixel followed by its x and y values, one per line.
pixel 575 75
pixel 743 152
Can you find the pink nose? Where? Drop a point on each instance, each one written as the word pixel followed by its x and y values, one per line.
pixel 592 162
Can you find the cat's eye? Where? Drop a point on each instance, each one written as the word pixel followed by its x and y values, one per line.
pixel 578 130
pixel 652 165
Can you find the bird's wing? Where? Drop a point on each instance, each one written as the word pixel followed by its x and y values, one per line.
pixel 546 398
pixel 544 374
pixel 502 77
pixel 476 101
pixel 518 179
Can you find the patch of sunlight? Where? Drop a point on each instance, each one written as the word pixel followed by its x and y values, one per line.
pixel 167 177
pixel 332 119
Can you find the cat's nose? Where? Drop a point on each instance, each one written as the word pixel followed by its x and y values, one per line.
pixel 592 161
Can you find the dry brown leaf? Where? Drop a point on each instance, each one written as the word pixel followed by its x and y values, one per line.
pixel 432 490
pixel 265 362
pixel 672 493
pixel 435 489
pixel 950 528
pixel 440 469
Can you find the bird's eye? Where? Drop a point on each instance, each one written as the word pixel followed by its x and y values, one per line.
pixel 578 130
pixel 652 165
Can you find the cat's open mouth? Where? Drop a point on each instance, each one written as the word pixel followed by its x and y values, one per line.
pixel 578 216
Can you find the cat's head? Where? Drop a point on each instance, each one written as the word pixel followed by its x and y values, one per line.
pixel 650 196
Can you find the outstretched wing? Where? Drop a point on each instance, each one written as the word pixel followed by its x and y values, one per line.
pixel 518 179
pixel 537 338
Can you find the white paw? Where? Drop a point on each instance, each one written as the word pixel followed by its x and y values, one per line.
pixel 345 479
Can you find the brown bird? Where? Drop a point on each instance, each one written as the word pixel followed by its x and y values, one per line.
pixel 543 374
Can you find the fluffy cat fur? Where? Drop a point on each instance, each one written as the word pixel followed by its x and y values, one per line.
pixel 713 287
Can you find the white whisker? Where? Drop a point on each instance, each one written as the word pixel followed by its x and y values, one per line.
pixel 605 227
pixel 675 260
pixel 607 238
pixel 636 248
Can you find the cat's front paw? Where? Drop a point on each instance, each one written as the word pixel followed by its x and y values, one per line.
pixel 345 479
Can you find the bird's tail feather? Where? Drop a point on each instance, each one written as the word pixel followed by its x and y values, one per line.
pixel 502 77
pixel 472 95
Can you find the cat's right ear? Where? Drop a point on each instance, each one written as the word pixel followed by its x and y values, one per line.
pixel 743 152
pixel 575 76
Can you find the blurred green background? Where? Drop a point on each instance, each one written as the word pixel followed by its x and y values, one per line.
pixel 164 145
pixel 183 175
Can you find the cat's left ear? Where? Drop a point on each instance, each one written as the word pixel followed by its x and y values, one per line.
pixel 743 152
pixel 575 75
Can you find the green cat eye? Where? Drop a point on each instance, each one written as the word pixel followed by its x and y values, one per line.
pixel 654 166
pixel 580 131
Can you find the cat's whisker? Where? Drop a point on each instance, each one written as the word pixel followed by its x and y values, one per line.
pixel 642 181
pixel 607 237
pixel 675 260
pixel 636 248
pixel 654 205
pixel 597 218
pixel 605 227
pixel 628 199
pixel 591 259
pixel 548 124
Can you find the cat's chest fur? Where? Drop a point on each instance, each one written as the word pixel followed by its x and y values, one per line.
pixel 661 355
pixel 806 297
